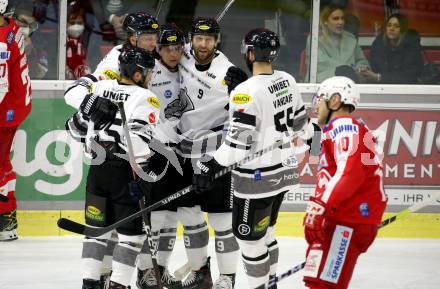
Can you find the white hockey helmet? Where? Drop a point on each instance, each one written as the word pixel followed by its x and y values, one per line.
pixel 341 85
pixel 3 6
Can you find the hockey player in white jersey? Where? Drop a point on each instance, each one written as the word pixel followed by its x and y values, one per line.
pixel 165 84
pixel 203 106
pixel 142 29
pixel 108 198
pixel 263 109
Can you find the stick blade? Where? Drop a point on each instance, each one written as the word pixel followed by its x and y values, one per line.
pixel 71 226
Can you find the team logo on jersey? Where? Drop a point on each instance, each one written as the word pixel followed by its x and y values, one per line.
pixel 177 107
pixel 172 38
pixel 154 26
pixel 93 213
pixel 262 224
pixel 110 75
pixel 167 93
pixel 241 98
pixel 4 55
pixel 290 162
pixel 10 37
pixel 244 229
pixel 275 182
pixel 204 27
pixel 210 74
pixel 152 118
pixel 153 101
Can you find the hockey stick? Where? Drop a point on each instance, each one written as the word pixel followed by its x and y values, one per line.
pixel 78 228
pixel 145 217
pixel 402 214
pixel 159 9
pixel 225 9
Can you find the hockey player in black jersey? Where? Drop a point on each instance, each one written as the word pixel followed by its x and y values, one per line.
pixel 257 120
pixel 107 195
pixel 202 108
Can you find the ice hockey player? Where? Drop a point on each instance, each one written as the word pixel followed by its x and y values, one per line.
pixel 165 84
pixel 203 107
pixel 342 216
pixel 15 105
pixel 141 29
pixel 263 109
pixel 107 196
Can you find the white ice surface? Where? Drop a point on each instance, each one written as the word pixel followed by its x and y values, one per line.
pixel 54 263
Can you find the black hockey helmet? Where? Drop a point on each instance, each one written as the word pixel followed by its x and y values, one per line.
pixel 133 59
pixel 140 22
pixel 205 26
pixel 170 34
pixel 264 43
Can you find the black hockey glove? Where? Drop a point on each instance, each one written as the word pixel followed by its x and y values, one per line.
pixel 99 110
pixel 234 76
pixel 139 189
pixel 204 180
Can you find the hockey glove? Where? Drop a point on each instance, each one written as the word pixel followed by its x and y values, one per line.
pixel 139 189
pixel 203 181
pixel 314 221
pixel 99 110
pixel 234 76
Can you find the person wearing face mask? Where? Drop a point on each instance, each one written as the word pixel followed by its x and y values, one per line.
pixel 75 51
pixel 338 50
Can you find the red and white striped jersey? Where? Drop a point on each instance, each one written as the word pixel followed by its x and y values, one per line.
pixel 350 173
pixel 15 84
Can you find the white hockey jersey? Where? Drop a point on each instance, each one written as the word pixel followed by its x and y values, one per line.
pixel 107 69
pixel 204 103
pixel 109 65
pixel 263 110
pixel 142 110
pixel 165 84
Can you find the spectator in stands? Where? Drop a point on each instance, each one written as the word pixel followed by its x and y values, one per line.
pixel 76 64
pixel 338 50
pixel 395 55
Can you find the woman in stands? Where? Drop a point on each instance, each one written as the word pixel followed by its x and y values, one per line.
pixel 396 54
pixel 338 49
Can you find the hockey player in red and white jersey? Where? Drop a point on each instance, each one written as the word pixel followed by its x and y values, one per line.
pixel 262 110
pixel 15 105
pixel 343 215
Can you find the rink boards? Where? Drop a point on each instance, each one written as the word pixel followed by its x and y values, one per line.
pixel 51 169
